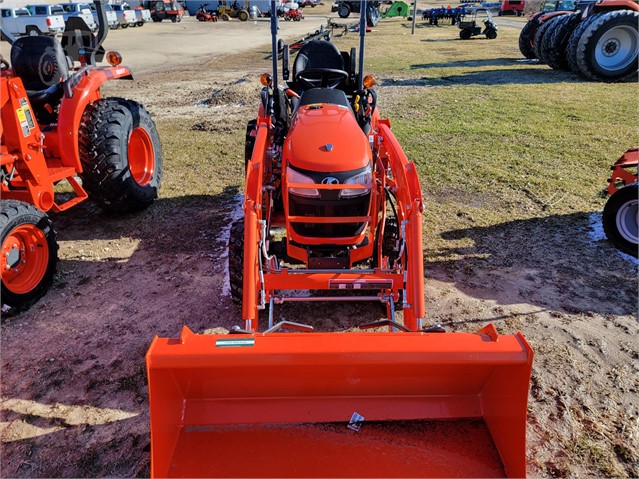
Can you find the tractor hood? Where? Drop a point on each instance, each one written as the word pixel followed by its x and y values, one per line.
pixel 326 137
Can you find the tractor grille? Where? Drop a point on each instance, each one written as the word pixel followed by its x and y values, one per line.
pixel 318 207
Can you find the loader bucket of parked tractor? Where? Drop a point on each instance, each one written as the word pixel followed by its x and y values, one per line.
pixel 412 404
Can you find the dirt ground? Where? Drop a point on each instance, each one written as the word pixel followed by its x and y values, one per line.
pixel 74 399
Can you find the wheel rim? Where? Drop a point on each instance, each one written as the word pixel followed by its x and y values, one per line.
pixel 25 255
pixel 141 156
pixel 627 220
pixel 617 48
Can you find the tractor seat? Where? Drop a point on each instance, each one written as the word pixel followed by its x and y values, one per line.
pixel 324 95
pixel 40 62
pixel 316 55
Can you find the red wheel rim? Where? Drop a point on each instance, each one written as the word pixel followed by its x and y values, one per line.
pixel 141 156
pixel 25 256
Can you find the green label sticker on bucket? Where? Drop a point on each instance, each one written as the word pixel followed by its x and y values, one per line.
pixel 234 343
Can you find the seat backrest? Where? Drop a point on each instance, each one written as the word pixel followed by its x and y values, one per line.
pixel 318 54
pixel 39 61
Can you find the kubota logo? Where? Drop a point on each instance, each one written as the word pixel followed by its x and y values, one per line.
pixel 330 180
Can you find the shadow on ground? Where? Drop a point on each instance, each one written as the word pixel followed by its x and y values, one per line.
pixel 549 262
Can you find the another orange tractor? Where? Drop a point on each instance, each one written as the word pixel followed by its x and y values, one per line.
pixel 56 127
pixel 621 213
pixel 599 39
pixel 332 213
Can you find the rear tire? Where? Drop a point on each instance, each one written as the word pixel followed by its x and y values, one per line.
pixel 344 11
pixel 236 261
pixel 571 49
pixel 556 53
pixel 33 31
pixel 243 15
pixel 539 36
pixel 29 249
pixel 225 17
pixel 121 155
pixel 465 34
pixel 526 39
pixel 607 50
pixel 620 219
pixel 544 47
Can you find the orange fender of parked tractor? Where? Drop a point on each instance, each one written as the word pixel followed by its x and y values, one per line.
pixel 71 110
pixel 278 404
pixel 624 171
pixel 616 5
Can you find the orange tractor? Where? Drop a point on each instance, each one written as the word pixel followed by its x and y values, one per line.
pixel 333 212
pixel 56 127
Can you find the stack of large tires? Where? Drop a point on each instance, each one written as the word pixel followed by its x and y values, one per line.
pixel 601 46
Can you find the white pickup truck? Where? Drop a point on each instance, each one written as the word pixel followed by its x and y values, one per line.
pixel 19 21
pixel 126 16
pixel 81 10
pixel 143 15
pixel 112 18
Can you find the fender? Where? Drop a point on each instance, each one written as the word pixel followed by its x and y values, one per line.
pixel 604 5
pixel 72 108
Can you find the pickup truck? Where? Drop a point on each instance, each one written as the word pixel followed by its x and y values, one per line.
pixel 126 16
pixel 81 10
pixel 143 15
pixel 112 18
pixel 19 21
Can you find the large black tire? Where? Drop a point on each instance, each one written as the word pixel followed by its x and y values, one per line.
pixel 372 16
pixel 526 38
pixel 465 34
pixel 571 49
pixel 29 253
pixel 236 260
pixel 608 49
pixel 540 34
pixel 343 10
pixel 620 219
pixel 121 155
pixel 544 48
pixel 555 49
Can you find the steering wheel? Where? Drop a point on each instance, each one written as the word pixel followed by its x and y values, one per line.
pixel 320 77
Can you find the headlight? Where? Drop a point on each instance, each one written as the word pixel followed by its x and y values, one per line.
pixel 365 178
pixel 293 176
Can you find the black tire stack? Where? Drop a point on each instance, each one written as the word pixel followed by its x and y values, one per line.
pixel 602 47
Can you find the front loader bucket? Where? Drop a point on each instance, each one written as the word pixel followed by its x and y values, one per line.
pixel 278 405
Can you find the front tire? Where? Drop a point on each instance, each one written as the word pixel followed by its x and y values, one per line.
pixel 29 253
pixel 491 34
pixel 607 50
pixel 121 155
pixel 243 15
pixel 344 11
pixel 620 219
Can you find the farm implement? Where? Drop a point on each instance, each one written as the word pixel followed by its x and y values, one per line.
pixel 598 39
pixel 56 127
pixel 621 212
pixel 332 213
